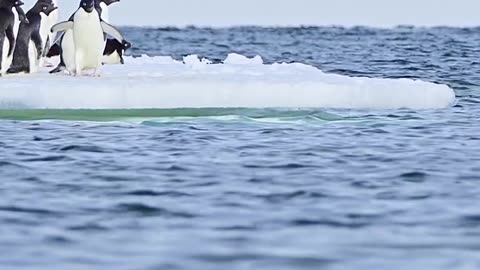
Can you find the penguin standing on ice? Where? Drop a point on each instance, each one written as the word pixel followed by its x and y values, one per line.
pixel 11 14
pixel 88 39
pixel 48 37
pixel 30 46
pixel 113 50
pixel 52 20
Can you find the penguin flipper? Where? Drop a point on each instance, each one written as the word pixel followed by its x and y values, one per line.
pixel 112 31
pixel 63 26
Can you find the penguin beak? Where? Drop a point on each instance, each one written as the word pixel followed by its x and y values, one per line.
pixel 50 10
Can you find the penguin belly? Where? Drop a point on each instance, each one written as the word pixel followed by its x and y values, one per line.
pixel 68 51
pixel 52 20
pixel 44 33
pixel 112 59
pixel 6 61
pixel 89 41
pixel 16 20
pixel 32 57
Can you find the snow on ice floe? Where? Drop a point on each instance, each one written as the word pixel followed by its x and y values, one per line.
pixel 240 82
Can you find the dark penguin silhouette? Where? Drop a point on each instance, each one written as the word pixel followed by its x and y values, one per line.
pixel 7 25
pixel 30 32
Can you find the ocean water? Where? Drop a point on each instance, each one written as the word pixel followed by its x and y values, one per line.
pixel 251 188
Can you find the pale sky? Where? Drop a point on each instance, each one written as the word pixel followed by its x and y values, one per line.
pixel 382 13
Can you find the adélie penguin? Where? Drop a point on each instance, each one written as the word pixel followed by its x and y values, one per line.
pixel 11 14
pixel 48 37
pixel 30 44
pixel 88 38
pixel 52 20
pixel 113 53
pixel 65 48
pixel 114 50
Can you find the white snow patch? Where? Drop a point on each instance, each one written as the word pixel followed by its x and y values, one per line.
pixel 237 59
pixel 162 82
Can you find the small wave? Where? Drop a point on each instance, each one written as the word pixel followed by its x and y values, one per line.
pixel 29 210
pixel 147 210
pixel 158 116
pixel 81 148
pixel 152 193
pixel 49 159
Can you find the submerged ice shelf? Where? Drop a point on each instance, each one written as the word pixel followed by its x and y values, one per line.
pixel 240 82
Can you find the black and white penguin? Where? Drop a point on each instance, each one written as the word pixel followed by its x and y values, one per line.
pixel 114 50
pixel 83 50
pixel 30 44
pixel 52 20
pixel 11 14
pixel 47 36
pixel 113 53
pixel 64 48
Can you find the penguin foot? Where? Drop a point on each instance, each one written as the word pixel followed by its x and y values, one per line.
pixel 97 73
pixel 94 74
pixel 57 69
pixel 16 70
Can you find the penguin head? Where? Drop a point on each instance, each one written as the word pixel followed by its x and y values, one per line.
pixel 21 14
pixel 45 6
pixel 18 3
pixel 11 3
pixel 87 5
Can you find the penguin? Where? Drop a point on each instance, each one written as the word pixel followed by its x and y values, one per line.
pixel 47 36
pixel 11 14
pixel 86 44
pixel 52 20
pixel 113 53
pixel 29 47
pixel 66 42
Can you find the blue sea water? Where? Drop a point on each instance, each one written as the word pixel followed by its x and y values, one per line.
pixel 256 189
